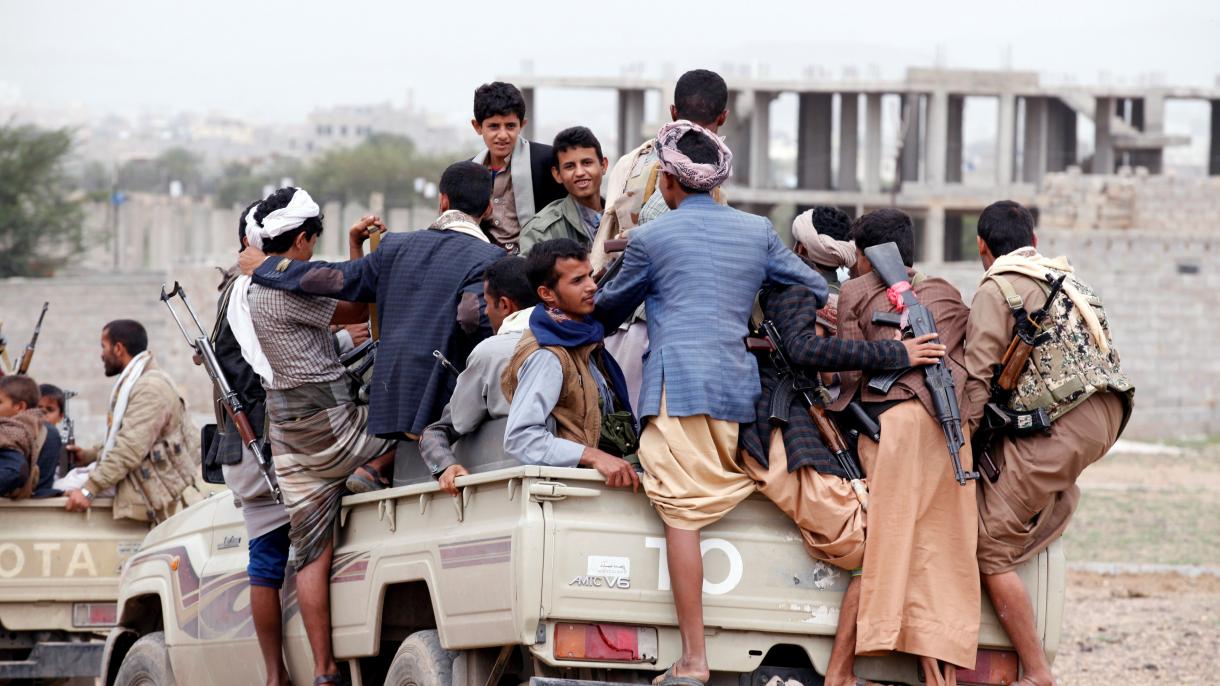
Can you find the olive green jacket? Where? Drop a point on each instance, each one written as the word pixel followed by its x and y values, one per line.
pixel 560 219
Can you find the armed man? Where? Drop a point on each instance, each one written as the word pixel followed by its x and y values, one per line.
pixel 1056 399
pixel 918 591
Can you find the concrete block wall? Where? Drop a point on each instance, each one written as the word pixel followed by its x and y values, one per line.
pixel 1128 200
pixel 1159 291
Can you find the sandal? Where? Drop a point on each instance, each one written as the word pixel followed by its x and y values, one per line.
pixel 327 679
pixel 364 480
pixel 671 679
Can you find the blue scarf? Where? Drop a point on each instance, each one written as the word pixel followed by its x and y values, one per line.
pixel 554 328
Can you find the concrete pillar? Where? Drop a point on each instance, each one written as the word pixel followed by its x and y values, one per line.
pixel 872 143
pixel 1213 155
pixel 849 140
pixel 1060 135
pixel 814 112
pixel 630 119
pixel 1149 116
pixel 736 132
pixel 760 140
pixel 528 95
pixel 954 226
pixel 932 247
pixel 937 136
pixel 1103 139
pixel 1006 139
pixel 955 139
pixel 1033 166
pixel 912 115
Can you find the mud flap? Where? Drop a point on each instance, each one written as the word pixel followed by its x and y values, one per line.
pixel 57 661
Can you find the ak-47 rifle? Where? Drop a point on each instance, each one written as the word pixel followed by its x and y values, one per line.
pixel 814 396
pixel 23 366
pixel 914 320
pixel 69 429
pixel 614 245
pixel 998 419
pixel 228 397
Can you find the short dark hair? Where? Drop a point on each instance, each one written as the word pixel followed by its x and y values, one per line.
pixel 575 137
pixel 55 393
pixel 468 186
pixel 700 149
pixel 20 389
pixel 831 221
pixel 700 96
pixel 283 242
pixel 241 224
pixel 498 97
pixel 1006 226
pixel 540 264
pixel 130 333
pixel 507 277
pixel 886 225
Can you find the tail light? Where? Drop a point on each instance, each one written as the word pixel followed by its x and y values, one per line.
pixel 95 614
pixel 992 667
pixel 605 642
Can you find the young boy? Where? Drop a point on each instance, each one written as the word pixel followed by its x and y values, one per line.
pixel 521 169
pixel 23 433
pixel 579 166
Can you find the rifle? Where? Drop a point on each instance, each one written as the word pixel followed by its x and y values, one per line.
pixel 998 419
pixel 5 363
pixel 916 320
pixel 232 402
pixel 618 245
pixel 814 395
pixel 69 429
pixel 28 356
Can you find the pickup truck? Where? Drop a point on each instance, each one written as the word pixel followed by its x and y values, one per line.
pixel 533 574
pixel 59 584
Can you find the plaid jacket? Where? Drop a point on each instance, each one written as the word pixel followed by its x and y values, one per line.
pixel 793 309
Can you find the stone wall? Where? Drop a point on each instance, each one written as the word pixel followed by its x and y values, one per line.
pixel 1159 289
pixel 1129 200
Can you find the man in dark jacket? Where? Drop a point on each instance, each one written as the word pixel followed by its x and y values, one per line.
pixel 521 169
pixel 428 286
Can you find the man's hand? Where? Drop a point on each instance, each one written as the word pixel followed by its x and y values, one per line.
pixel 250 259
pixel 451 473
pixel 922 351
pixel 77 502
pixel 618 472
pixel 361 230
pixel 358 332
pixel 77 453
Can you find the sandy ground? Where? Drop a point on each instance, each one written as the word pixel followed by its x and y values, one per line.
pixel 1145 628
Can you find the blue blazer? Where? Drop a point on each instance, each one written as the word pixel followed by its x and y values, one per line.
pixel 417 280
pixel 697 270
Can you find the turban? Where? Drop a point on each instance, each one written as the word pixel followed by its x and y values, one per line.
pixel 701 177
pixel 277 222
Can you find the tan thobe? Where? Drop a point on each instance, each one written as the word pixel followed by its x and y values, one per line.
pixel 920 589
pixel 1033 500
pixel 503 225
pixel 823 506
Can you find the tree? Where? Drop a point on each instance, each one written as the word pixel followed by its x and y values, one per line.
pixel 241 183
pixel 154 175
pixel 383 163
pixel 40 222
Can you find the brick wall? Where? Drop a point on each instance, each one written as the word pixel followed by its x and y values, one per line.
pixel 1130 199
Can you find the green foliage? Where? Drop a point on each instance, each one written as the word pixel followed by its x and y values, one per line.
pixel 241 183
pixel 40 223
pixel 384 163
pixel 154 175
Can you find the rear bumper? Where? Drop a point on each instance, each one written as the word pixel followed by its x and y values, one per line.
pixel 57 661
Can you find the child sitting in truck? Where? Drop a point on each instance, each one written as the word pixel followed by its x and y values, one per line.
pixel 22 434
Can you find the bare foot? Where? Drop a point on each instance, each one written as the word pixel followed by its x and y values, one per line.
pixel 687 669
pixel 1036 680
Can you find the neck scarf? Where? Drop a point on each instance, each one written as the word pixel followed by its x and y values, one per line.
pixel 456 220
pixel 241 323
pixel 701 177
pixel 1028 262
pixel 299 209
pixel 516 322
pixel 120 396
pixel 551 327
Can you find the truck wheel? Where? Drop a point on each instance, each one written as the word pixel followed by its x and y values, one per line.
pixel 421 661
pixel 146 664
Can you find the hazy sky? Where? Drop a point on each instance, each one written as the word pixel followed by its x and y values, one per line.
pixel 274 61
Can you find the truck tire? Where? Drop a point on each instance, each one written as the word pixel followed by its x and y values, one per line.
pixel 147 663
pixel 421 661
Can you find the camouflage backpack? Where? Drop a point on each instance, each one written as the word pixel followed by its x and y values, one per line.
pixel 1069 367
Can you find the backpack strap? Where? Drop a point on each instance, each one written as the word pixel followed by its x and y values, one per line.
pixel 1014 299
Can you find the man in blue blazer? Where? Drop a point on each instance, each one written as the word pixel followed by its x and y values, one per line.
pixel 697 270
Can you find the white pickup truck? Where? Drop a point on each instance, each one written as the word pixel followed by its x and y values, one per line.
pixel 534 574
pixel 59 581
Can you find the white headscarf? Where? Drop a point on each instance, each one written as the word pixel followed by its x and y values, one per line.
pixel 299 209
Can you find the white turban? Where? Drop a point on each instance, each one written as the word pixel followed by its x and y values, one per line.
pixel 277 222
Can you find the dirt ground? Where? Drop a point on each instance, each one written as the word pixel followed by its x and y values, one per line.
pixel 1130 626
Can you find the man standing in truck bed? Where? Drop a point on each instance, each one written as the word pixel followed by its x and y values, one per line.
pixel 699 381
